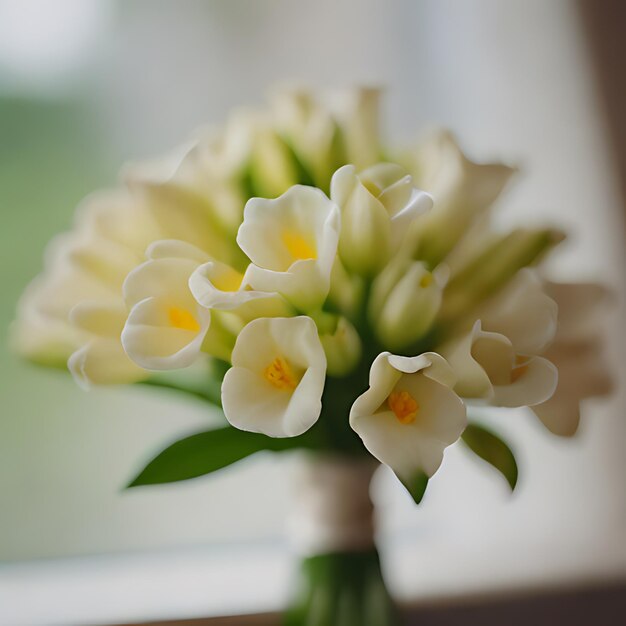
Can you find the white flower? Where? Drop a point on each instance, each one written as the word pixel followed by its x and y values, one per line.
pixel 487 367
pixel 439 166
pixel 218 286
pixel 578 351
pixel 524 313
pixel 166 326
pixel 270 165
pixel 101 359
pixel 40 334
pixel 357 112
pixel 114 215
pixel 409 414
pixel 79 266
pixel 276 382
pixel 182 212
pixel 310 130
pixel 377 207
pixel 292 243
pixel 462 190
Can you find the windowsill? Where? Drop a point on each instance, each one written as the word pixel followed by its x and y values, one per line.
pixel 241 580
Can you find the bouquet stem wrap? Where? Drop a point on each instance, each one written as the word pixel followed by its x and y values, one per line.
pixel 339 580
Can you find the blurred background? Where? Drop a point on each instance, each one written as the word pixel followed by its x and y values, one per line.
pixel 86 85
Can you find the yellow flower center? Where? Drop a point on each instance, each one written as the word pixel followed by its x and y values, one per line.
pixel 298 246
pixel 181 318
pixel 404 406
pixel 280 374
pixel 426 280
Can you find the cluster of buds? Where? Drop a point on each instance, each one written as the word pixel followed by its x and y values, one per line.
pixel 342 282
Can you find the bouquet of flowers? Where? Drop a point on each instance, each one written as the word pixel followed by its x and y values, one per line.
pixel 331 294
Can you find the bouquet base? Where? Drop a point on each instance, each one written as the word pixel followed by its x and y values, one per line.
pixel 339 582
pixel 342 589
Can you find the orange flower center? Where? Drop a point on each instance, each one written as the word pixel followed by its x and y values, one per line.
pixel 280 374
pixel 403 405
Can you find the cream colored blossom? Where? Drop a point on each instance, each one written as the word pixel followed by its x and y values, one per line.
pixel 310 131
pixel 524 313
pixel 219 286
pixel 87 264
pixel 292 243
pixel 409 414
pixel 101 359
pixel 579 353
pixel 275 384
pixel 166 327
pixel 357 112
pixel 487 367
pixel 462 191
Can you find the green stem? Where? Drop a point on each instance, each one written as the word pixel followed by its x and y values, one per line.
pixel 342 589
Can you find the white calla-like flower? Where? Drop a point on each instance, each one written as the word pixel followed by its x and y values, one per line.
pixel 184 213
pixel 116 216
pixel 358 114
pixel 310 130
pixel 219 286
pixel 269 162
pixel 41 335
pixel 524 313
pixel 463 191
pixel 579 353
pixel 409 414
pixel 276 382
pixel 77 268
pixel 487 367
pixel 166 327
pixel 292 243
pixel 101 360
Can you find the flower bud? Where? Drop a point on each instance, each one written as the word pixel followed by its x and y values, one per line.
pixel 342 348
pixel 365 239
pixel 410 308
pixel 271 167
pixel 346 290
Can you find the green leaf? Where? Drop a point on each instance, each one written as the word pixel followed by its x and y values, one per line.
pixel 207 452
pixel 416 486
pixel 489 447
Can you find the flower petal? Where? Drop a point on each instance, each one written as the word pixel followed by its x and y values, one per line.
pixel 153 342
pixel 250 397
pixel 292 242
pixel 523 313
pixel 412 446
